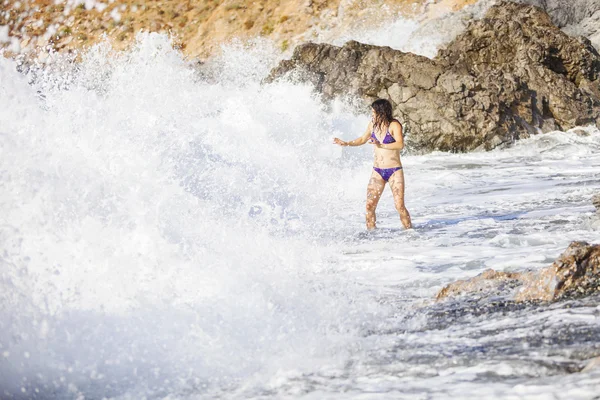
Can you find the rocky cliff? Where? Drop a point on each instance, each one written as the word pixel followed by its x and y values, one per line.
pixel 197 27
pixel 511 74
pixel 576 17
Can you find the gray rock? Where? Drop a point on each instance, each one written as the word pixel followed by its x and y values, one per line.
pixel 509 75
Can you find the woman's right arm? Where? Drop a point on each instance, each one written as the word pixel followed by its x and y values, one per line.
pixel 358 141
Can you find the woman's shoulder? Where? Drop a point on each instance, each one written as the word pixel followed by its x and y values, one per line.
pixel 395 122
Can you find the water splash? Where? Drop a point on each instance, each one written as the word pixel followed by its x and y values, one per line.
pixel 148 213
pixel 170 232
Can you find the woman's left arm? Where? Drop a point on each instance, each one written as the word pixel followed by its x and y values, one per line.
pixel 396 132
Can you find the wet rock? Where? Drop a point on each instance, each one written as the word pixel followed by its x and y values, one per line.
pixel 592 364
pixel 484 282
pixel 596 202
pixel 580 132
pixel 576 273
pixel 509 75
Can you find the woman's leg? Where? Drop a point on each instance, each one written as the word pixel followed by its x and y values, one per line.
pixel 397 185
pixel 374 190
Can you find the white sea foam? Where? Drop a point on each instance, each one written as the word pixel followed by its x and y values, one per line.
pixel 140 209
pixel 4 36
pixel 433 27
pixel 171 236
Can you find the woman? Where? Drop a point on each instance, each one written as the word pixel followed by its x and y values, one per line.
pixel 385 134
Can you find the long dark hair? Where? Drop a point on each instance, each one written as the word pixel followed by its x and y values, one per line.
pixel 383 113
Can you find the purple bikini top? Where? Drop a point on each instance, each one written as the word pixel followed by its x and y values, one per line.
pixel 386 140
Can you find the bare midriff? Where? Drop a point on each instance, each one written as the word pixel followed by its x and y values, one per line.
pixel 387 158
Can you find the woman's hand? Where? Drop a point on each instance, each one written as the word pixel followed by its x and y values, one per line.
pixel 339 142
pixel 376 144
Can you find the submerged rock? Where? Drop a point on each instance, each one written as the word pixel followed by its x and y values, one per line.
pixel 509 75
pixel 485 282
pixel 592 364
pixel 596 202
pixel 574 274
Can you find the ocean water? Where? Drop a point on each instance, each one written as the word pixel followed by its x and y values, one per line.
pixel 174 233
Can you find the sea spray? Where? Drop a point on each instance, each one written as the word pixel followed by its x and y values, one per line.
pixel 147 226
pixel 173 233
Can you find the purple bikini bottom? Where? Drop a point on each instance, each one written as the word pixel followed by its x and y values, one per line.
pixel 386 173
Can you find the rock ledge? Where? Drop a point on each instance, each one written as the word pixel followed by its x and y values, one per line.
pixel 575 273
pixel 509 75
